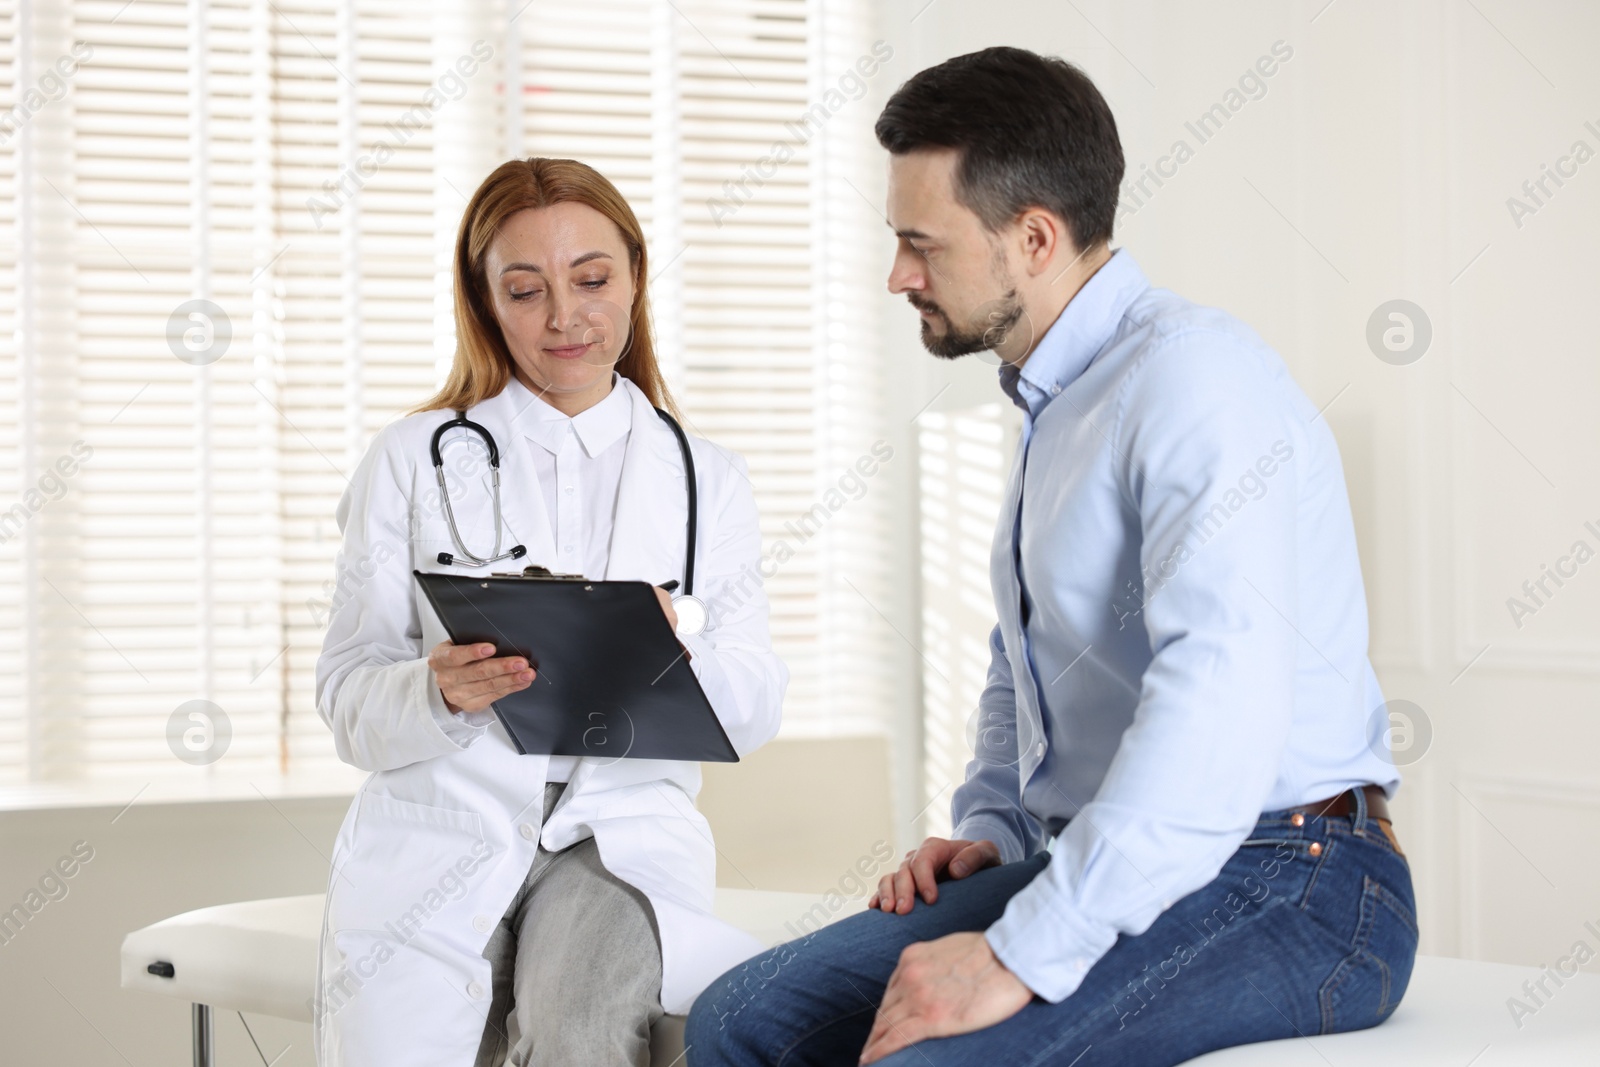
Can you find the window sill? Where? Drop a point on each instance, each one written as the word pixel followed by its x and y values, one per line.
pixel 122 793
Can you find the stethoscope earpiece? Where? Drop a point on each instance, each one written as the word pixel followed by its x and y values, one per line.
pixel 517 552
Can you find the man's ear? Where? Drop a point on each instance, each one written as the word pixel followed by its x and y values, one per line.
pixel 1044 236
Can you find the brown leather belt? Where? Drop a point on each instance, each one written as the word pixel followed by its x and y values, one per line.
pixel 1345 804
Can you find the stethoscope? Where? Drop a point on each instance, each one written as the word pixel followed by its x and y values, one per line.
pixel 690 609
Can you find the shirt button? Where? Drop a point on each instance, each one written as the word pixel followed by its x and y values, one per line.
pixel 475 990
pixel 567 549
pixel 481 923
pixel 569 490
pixel 1054 390
pixel 527 831
pixel 1040 750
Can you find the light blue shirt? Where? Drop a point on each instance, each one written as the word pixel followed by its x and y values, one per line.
pixel 1182 638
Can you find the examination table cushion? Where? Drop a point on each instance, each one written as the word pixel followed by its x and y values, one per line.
pixel 261 956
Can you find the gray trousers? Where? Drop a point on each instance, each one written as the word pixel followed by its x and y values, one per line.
pixel 575 965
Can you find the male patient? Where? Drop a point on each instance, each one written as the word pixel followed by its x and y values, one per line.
pixel 1173 836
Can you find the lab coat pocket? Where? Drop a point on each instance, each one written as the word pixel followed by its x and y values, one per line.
pixel 407 863
pixel 473 508
pixel 478 532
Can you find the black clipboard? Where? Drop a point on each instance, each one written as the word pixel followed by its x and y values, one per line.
pixel 611 680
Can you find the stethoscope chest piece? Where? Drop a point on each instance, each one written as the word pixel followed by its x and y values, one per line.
pixel 691 612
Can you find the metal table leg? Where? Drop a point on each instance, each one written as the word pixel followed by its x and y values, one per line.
pixel 204 1047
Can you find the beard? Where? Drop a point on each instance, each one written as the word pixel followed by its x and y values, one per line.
pixel 989 327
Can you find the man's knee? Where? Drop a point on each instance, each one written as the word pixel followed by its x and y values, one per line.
pixel 735 993
pixel 716 1021
pixel 725 1013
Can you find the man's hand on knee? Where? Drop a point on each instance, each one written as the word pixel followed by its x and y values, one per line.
pixel 926 866
pixel 951 985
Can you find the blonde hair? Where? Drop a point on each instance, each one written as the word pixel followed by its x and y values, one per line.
pixel 482 364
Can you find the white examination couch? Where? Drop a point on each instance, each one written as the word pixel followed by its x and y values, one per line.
pixel 260 956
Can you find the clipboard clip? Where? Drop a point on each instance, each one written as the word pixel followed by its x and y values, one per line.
pixel 539 573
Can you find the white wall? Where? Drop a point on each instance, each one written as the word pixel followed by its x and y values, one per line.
pixel 1377 166
pixel 60 975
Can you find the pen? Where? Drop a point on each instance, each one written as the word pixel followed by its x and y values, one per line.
pixel 668 586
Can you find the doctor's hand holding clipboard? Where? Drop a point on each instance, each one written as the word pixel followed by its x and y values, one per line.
pixel 483 903
pixel 471 677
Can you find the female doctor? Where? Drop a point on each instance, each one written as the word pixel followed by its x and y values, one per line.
pixel 486 907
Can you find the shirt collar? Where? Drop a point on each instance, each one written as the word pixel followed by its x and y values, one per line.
pixel 597 428
pixel 1083 328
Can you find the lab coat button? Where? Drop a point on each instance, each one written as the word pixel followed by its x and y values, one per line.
pixel 1040 750
pixel 481 923
pixel 527 831
pixel 475 990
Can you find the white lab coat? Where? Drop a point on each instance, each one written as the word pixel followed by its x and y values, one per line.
pixel 441 836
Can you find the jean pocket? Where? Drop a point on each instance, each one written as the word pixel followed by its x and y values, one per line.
pixel 1285 848
pixel 1301 857
pixel 1367 985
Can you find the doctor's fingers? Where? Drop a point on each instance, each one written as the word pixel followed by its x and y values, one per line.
pixel 476 696
pixel 483 692
pixel 666 607
pixel 480 671
pixel 502 675
pixel 445 654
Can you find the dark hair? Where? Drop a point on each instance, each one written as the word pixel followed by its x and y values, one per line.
pixel 1032 130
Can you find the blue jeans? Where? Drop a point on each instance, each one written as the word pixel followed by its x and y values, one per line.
pixel 1308 929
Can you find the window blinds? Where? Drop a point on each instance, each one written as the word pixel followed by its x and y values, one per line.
pixel 226 255
pixel 963 463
